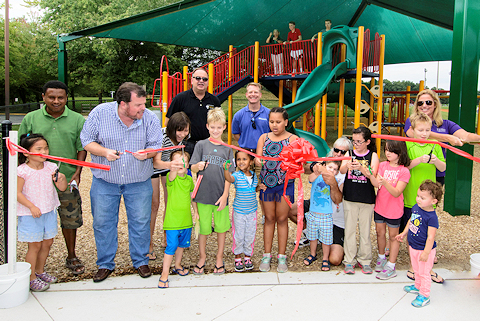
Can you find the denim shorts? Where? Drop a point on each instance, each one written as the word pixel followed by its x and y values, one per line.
pixel 275 194
pixel 391 222
pixel 176 239
pixel 31 229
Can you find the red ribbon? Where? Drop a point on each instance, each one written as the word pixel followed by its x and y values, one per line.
pixel 425 141
pixel 13 148
pixel 155 150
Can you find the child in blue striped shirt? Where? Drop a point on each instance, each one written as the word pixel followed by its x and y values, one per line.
pixel 244 210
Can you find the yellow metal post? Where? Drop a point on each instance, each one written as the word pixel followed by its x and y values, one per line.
pixel 422 85
pixel 324 117
pixel 358 78
pixel 380 94
pixel 280 93
pixel 323 101
pixel 372 102
pixel 294 94
pixel 255 66
pixel 407 102
pixel 210 78
pixel 230 98
pixel 341 95
pixel 164 96
pixel 185 78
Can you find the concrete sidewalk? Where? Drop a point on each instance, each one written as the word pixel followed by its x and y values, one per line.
pixel 252 296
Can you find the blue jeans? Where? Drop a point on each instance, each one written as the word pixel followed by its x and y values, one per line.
pixel 105 198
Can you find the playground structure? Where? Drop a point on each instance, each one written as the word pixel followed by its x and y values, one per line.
pixel 335 55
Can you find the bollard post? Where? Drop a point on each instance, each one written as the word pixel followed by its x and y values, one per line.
pixel 6 128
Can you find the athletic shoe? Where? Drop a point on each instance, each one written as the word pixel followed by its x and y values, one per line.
pixel 421 301
pixel 239 267
pixel 282 263
pixel 411 289
pixel 366 269
pixel 349 269
pixel 45 277
pixel 380 265
pixel 38 285
pixel 265 265
pixel 386 274
pixel 248 264
pixel 303 241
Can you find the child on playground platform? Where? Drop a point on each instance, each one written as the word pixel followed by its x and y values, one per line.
pixel 276 208
pixel 244 210
pixel 391 180
pixel 319 217
pixel 212 195
pixel 359 200
pixel 178 218
pixel 423 225
pixel 36 209
pixel 426 159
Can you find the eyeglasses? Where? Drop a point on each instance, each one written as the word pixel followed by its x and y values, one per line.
pixel 253 123
pixel 336 150
pixel 205 79
pixel 428 102
pixel 357 142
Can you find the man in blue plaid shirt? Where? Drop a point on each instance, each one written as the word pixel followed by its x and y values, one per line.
pixel 110 131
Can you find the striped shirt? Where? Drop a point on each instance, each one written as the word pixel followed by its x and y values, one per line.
pixel 245 197
pixel 167 142
pixel 105 127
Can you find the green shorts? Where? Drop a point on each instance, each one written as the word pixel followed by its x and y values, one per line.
pixel 70 210
pixel 221 219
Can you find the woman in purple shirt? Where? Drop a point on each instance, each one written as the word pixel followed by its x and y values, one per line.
pixel 427 101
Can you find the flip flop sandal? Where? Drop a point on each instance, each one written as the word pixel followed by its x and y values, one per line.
pixel 200 268
pixel 166 284
pixel 325 264
pixel 151 256
pixel 179 271
pixel 219 268
pixel 70 263
pixel 411 275
pixel 310 259
pixel 436 278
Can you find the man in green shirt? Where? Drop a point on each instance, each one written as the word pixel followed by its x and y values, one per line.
pixel 61 127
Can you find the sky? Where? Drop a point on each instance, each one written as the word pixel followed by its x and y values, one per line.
pixel 412 71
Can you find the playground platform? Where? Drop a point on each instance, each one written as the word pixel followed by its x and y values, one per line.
pixel 243 296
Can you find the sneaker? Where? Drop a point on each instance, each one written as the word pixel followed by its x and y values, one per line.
pixel 45 277
pixel 349 269
pixel 38 285
pixel 265 265
pixel 282 263
pixel 421 301
pixel 303 241
pixel 239 267
pixel 411 289
pixel 366 269
pixel 248 264
pixel 386 274
pixel 380 265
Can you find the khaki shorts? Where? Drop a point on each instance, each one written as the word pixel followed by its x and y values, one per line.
pixel 70 210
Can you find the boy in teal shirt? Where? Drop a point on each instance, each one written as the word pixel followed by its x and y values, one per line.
pixel 178 218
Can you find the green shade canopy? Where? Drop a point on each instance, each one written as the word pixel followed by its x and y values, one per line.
pixel 414 30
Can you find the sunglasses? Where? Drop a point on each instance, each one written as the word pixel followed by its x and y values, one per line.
pixel 428 102
pixel 205 79
pixel 253 123
pixel 336 150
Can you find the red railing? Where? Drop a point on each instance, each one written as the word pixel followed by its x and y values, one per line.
pixel 175 86
pixel 274 60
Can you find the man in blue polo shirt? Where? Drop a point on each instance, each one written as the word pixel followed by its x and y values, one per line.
pixel 250 122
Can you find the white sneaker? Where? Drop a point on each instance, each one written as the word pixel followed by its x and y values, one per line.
pixel 265 265
pixel 386 274
pixel 303 241
pixel 380 264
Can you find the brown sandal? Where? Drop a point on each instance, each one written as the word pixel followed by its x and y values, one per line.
pixel 75 265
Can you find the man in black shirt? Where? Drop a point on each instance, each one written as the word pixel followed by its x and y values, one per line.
pixel 195 103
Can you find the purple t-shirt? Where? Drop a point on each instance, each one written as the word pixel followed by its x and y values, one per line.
pixel 448 127
pixel 418 227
